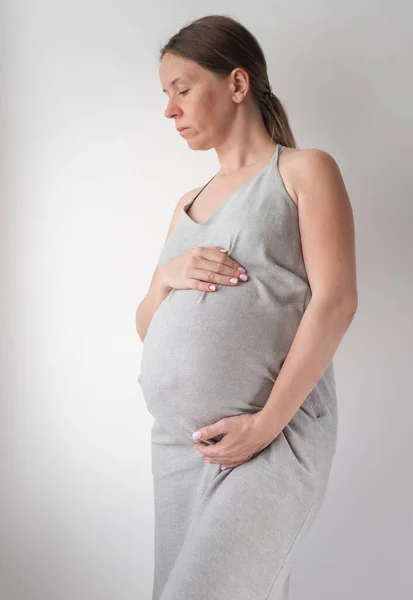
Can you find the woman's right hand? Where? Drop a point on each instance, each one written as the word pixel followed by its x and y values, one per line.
pixel 201 267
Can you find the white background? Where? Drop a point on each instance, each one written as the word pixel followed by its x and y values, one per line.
pixel 90 174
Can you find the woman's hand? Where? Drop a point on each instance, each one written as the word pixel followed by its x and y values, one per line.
pixel 245 437
pixel 201 267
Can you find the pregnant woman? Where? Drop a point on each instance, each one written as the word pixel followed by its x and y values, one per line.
pixel 240 382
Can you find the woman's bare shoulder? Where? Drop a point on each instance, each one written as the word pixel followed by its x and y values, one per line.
pixel 299 165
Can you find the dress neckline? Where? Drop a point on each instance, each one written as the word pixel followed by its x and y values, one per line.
pixel 228 198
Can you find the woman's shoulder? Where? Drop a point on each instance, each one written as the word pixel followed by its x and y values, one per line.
pixel 307 159
pixel 301 167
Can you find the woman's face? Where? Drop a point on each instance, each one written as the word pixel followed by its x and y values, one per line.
pixel 199 100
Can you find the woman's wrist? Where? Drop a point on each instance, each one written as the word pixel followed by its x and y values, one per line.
pixel 163 287
pixel 267 425
pixel 162 291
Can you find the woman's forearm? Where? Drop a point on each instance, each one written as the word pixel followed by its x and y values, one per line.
pixel 321 329
pixel 149 306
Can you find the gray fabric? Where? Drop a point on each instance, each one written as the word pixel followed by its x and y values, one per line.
pixel 206 355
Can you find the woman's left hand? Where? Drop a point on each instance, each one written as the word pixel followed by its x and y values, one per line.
pixel 245 437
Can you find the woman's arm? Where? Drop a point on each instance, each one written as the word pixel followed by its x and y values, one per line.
pixel 149 305
pixel 157 291
pixel 328 244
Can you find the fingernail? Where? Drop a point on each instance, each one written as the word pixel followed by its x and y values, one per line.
pixel 196 435
pixel 234 280
pixel 212 287
pixel 241 269
pixel 243 277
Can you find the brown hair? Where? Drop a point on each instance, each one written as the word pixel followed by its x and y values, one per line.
pixel 220 43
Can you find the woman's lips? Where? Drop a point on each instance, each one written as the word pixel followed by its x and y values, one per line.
pixel 183 130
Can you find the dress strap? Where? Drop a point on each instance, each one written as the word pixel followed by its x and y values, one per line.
pixel 196 196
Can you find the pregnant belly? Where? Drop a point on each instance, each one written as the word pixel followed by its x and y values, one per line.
pixel 207 355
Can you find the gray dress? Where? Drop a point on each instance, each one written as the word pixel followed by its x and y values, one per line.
pixel 233 533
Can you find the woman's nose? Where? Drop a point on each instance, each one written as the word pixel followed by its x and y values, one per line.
pixel 171 110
